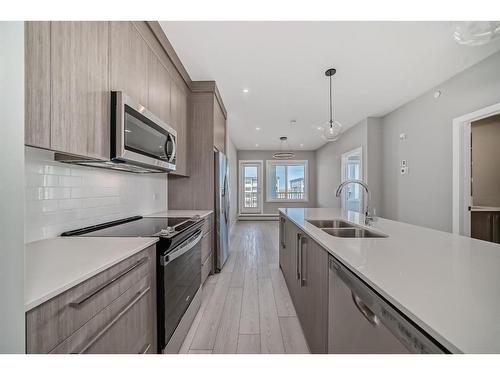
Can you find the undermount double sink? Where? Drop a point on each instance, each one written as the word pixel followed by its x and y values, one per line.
pixel 345 229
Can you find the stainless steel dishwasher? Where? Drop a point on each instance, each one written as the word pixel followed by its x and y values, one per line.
pixel 360 321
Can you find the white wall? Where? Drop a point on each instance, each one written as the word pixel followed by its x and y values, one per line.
pixel 232 157
pixel 61 197
pixel 424 196
pixel 12 188
pixel 272 207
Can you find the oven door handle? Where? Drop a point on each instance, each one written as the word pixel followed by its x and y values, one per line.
pixel 182 249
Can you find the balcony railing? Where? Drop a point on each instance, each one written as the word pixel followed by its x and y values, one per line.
pixel 250 199
pixel 291 195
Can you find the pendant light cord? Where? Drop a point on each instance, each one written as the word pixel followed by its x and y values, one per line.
pixel 331 104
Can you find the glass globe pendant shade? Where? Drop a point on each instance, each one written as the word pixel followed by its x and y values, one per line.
pixel 332 131
pixel 476 33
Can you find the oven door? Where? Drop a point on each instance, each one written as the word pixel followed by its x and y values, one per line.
pixel 180 280
pixel 140 137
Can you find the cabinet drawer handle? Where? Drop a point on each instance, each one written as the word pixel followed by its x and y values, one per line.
pixel 303 275
pixel 138 296
pixel 298 250
pixel 78 302
pixel 145 349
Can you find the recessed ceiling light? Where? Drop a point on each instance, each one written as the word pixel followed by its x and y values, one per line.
pixel 256 145
pixel 437 94
pixel 301 145
pixel 319 128
pixel 257 128
pixel 245 90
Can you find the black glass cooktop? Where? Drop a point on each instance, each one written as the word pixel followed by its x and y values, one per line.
pixel 134 227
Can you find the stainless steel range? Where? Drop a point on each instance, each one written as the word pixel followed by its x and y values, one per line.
pixel 178 271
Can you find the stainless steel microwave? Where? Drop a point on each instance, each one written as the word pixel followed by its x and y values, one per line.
pixel 140 141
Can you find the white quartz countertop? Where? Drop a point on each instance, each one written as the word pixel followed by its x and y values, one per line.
pixel 55 265
pixel 447 284
pixel 181 213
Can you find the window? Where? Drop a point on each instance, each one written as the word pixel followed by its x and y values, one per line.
pixel 286 181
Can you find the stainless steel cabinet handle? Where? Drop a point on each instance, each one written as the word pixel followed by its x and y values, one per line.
pixel 365 310
pixel 78 302
pixel 298 250
pixel 283 234
pixel 139 295
pixel 302 267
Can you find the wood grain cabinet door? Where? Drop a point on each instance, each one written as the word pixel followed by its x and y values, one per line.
pixel 129 61
pixel 219 127
pixel 80 97
pixel 37 84
pixel 159 87
pixel 290 260
pixel 313 284
pixel 179 98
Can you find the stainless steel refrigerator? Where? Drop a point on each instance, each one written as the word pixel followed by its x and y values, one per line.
pixel 221 210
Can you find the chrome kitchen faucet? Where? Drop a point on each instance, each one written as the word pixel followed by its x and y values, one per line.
pixel 368 215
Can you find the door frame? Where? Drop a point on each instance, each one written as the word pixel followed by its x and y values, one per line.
pixel 241 163
pixel 343 160
pixel 461 166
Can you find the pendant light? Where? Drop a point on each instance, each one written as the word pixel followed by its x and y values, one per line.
pixel 475 33
pixel 333 128
pixel 282 153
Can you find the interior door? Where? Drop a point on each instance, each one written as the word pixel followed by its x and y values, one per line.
pixel 352 169
pixel 250 187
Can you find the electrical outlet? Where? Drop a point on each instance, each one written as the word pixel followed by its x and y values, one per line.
pixel 403 170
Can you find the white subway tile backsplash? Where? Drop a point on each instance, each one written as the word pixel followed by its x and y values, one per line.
pixel 62 197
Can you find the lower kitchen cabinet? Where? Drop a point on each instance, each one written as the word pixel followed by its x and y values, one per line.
pixel 207 245
pixel 304 264
pixel 112 312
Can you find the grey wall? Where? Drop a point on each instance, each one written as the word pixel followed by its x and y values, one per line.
pixel 232 157
pixel 12 188
pixel 424 196
pixel 328 160
pixel 374 155
pixel 485 162
pixel 272 207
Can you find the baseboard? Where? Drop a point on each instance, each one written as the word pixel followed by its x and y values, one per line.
pixel 271 217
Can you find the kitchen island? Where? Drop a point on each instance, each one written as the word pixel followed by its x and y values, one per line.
pixel 444 283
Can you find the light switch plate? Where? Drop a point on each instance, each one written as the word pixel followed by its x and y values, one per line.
pixel 403 163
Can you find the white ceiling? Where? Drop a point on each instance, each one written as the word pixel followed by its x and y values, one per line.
pixel 380 66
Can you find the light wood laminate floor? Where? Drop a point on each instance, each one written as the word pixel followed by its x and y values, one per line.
pixel 247 308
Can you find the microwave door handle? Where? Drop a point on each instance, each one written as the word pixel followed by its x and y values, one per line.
pixel 166 259
pixel 174 148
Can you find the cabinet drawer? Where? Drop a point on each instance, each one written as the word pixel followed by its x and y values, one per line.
pixel 206 268
pixel 206 246
pixel 124 327
pixel 207 225
pixel 52 322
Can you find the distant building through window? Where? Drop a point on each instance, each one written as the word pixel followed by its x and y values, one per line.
pixel 286 180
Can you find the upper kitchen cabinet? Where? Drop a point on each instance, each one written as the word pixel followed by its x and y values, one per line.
pixel 219 127
pixel 179 106
pixel 37 75
pixel 80 97
pixel 71 68
pixel 206 131
pixel 159 87
pixel 129 61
